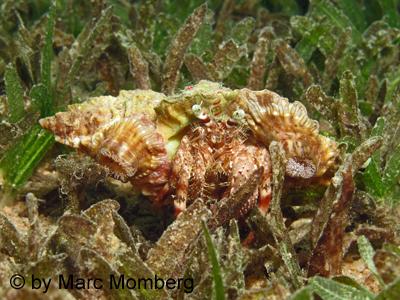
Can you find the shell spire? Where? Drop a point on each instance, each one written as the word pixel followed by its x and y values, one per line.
pixel 119 132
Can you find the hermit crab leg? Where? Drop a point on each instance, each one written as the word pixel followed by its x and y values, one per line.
pixel 244 160
pixel 221 159
pixel 177 165
pixel 264 187
pixel 179 159
pixel 199 180
pixel 183 185
pixel 242 168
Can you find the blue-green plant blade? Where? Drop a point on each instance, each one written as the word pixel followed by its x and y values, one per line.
pixel 391 248
pixel 351 282
pixel 305 48
pixel 48 50
pixel 166 27
pixel 291 62
pixel 329 289
pixel 241 32
pixel 354 13
pixel 378 130
pixel 372 10
pixel 87 44
pixel 201 43
pixel 313 34
pixel 336 17
pixel 389 7
pixel 351 142
pixel 392 170
pixel 367 255
pixel 290 7
pixel 379 126
pixel 225 59
pixel 39 94
pixel 100 90
pixel 373 181
pixel 394 80
pixel 376 37
pixel 219 286
pixel 280 232
pixel 304 293
pixel 334 57
pixel 178 48
pixel 146 24
pixel 365 107
pixel 391 291
pixel 15 100
pixel 20 160
pixel 348 110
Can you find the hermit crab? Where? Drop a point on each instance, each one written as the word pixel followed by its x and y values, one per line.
pixel 202 143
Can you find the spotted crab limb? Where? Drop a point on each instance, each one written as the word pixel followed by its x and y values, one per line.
pixel 226 209
pixel 183 185
pixel 264 187
pixel 178 163
pixel 244 162
pixel 198 176
pixel 158 202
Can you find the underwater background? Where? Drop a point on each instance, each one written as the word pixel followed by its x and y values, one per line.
pixel 62 214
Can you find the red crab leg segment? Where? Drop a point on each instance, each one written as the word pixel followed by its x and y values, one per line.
pixel 183 185
pixel 178 164
pixel 241 168
pixel 202 157
pixel 246 158
pixel 182 167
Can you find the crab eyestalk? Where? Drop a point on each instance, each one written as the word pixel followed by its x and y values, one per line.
pixel 237 116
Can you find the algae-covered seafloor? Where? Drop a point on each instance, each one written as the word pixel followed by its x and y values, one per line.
pixel 90 214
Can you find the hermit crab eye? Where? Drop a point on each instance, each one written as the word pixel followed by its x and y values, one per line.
pixel 238 114
pixel 197 110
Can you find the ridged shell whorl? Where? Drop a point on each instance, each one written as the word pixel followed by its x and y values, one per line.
pixel 77 125
pixel 133 150
pixel 119 132
pixel 272 118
